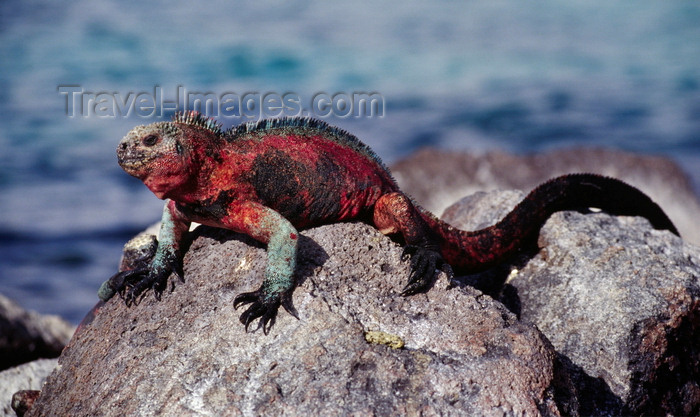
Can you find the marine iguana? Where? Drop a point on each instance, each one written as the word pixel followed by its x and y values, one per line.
pixel 271 178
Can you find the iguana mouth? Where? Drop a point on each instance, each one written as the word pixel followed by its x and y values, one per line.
pixel 132 164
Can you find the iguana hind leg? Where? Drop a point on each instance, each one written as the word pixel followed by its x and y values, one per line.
pixel 396 213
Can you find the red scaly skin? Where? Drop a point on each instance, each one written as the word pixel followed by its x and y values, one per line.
pixel 271 178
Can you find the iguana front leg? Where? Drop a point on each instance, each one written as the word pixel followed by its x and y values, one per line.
pixel 168 258
pixel 267 226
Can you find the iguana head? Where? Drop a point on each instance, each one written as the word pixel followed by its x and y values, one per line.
pixel 167 156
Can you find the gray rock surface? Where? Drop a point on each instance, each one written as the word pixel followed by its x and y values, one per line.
pixel 437 179
pixel 27 335
pixel 619 301
pixel 29 376
pixel 481 209
pixel 463 353
pixel 622 302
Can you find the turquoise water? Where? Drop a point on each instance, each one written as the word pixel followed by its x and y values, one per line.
pixel 456 75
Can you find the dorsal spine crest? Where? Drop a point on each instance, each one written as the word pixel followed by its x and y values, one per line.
pixel 300 125
pixel 194 118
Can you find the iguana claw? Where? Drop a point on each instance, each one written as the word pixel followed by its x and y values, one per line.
pixel 424 263
pixel 118 282
pixel 154 278
pixel 131 284
pixel 263 306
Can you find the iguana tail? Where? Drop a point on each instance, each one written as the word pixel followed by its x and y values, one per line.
pixel 471 252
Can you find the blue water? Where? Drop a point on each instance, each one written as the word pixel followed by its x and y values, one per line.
pixel 456 75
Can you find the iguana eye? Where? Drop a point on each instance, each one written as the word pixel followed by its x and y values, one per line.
pixel 150 140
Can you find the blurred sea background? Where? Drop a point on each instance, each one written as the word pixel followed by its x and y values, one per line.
pixel 521 77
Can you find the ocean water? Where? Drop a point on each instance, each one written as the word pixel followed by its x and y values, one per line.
pixel 451 74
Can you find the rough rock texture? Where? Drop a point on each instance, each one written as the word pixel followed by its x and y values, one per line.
pixel 29 376
pixel 629 299
pixel 463 354
pixel 437 179
pixel 619 301
pixel 27 335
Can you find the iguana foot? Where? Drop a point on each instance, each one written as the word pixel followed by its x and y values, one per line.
pixel 156 279
pixel 131 294
pixel 424 263
pixel 118 283
pixel 263 306
pixel 136 258
pixel 132 284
